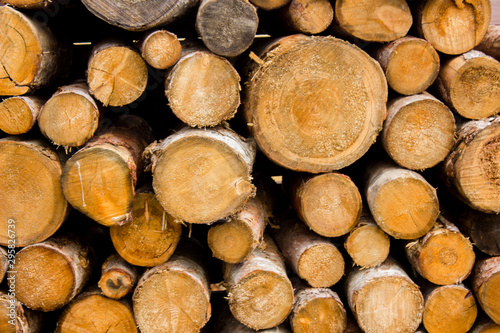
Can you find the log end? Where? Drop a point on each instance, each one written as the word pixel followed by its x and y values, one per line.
pixel 231 241
pixel 321 266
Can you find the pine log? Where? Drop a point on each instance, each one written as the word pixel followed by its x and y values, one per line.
pixel 161 49
pixel 314 258
pixel 203 89
pixel 70 117
pixel 401 201
pixel 367 244
pixel 269 4
pixel 51 273
pixel 4 262
pixel 259 291
pixel 92 312
pixel 151 237
pixel 202 175
pixel 99 179
pixel 329 203
pixel 418 132
pixel 174 296
pixel 443 256
pixel 117 75
pixel 490 44
pixel 485 325
pixel 118 277
pixel 18 114
pixel 31 200
pixel 374 20
pixel 16 318
pixel 470 84
pixel 472 169
pixel 486 286
pixel 482 229
pixel 315 104
pixel 448 309
pixel 453 27
pixel 307 16
pixel 410 64
pixel 384 299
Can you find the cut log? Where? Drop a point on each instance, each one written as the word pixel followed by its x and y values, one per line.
pixel 384 298
pixel 453 27
pixel 486 286
pixel 329 203
pixel 418 132
pixel 203 89
pixel 485 325
pixel 314 258
pixel 472 169
pixel 18 114
pixel 202 175
pixel 31 56
pixel 99 179
pixel 29 4
pixel 92 312
pixel 259 291
pixel 410 64
pixel 51 273
pixel 367 244
pixel 307 16
pixel 269 4
pixel 315 104
pixel 226 323
pixel 16 318
pixel 374 20
pixel 490 44
pixel 161 49
pixel 117 75
pixel 118 277
pixel 448 309
pixel 352 326
pixel 70 117
pixel 401 201
pixel 152 235
pixel 31 199
pixel 483 230
pixel 174 296
pixel 4 262
pixel 470 84
pixel 443 256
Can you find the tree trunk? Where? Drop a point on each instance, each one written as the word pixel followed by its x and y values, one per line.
pixel 314 104
pixel 489 44
pixel 118 277
pixel 472 169
pixel 384 299
pixel 31 200
pixel 307 16
pixel 410 64
pixel 259 291
pixel 161 49
pixel 15 318
pixel 99 179
pixel 151 237
pixel 329 203
pixel 18 114
pixel 483 230
pixel 418 132
pixel 486 286
pixel 202 175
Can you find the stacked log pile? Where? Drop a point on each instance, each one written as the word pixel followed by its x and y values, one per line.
pixel 249 166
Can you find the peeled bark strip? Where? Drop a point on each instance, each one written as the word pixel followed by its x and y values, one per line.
pixel 203 89
pixel 485 325
pixel 30 192
pixel 99 179
pixel 161 49
pixel 4 263
pixel 375 20
pixel 401 201
pixel 482 229
pixel 410 64
pixel 231 33
pixel 486 286
pixel 449 309
pixel 151 237
pixel 118 277
pixel 367 244
pixel 307 16
pixel 418 132
pixel 15 318
pixel 92 312
pixel 259 291
pixel 453 27
pixel 117 75
pixel 269 4
pixel 329 203
pixel 384 299
pixel 472 169
pixel 202 175
pixel 470 83
pixel 70 117
pixel 18 114
pixel 490 44
pixel 314 258
pixel 51 273
pixel 315 104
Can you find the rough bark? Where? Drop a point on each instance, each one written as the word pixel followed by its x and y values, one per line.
pixel 118 277
pixel 161 49
pixel 18 114
pixel 486 286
